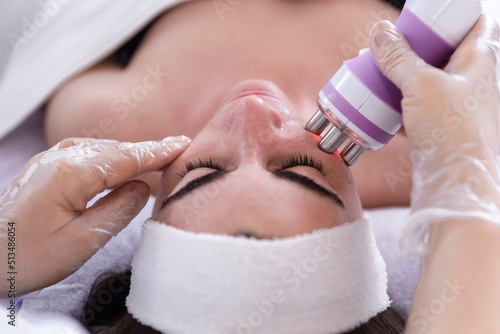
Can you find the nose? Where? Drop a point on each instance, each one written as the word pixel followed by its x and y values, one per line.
pixel 256 122
pixel 258 111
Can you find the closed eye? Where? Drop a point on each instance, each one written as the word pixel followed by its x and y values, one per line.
pixel 283 174
pixel 294 161
pixel 303 160
pixel 201 163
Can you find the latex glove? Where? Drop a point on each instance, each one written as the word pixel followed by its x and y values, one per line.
pixel 451 117
pixel 45 206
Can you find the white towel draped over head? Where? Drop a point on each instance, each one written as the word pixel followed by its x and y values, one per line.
pixel 327 281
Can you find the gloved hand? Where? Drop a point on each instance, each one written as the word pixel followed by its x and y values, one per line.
pixel 45 227
pixel 451 117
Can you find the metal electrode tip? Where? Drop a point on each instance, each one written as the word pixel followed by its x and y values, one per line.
pixel 318 123
pixel 332 140
pixel 351 153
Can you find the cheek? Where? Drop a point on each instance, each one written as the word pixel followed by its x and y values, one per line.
pixel 351 197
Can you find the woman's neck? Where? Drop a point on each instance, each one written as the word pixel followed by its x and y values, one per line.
pixel 206 49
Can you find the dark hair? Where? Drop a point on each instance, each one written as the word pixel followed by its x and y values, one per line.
pixel 397 3
pixel 105 311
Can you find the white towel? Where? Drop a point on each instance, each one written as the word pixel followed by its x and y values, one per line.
pixel 118 253
pixel 59 41
pixel 327 281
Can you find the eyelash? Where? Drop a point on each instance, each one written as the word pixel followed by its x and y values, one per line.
pixel 201 163
pixel 303 160
pixel 296 160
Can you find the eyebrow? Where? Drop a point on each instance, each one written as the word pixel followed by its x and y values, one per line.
pixel 287 175
pixel 310 184
pixel 192 185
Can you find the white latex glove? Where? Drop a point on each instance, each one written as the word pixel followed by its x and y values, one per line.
pixel 451 117
pixel 52 233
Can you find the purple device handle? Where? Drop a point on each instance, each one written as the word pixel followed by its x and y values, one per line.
pixel 426 43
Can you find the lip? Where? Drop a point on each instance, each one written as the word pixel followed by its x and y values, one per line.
pixel 254 92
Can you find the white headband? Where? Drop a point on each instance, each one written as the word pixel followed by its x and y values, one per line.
pixel 327 281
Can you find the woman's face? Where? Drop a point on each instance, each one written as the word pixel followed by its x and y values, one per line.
pixel 255 170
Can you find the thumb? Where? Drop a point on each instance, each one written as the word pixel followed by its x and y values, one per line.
pixel 89 232
pixel 394 56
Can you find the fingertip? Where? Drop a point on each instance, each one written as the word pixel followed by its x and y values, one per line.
pixel 177 139
pixel 489 23
pixel 381 26
pixel 486 31
pixel 393 54
pixel 184 139
pixel 384 33
pixel 176 143
pixel 138 191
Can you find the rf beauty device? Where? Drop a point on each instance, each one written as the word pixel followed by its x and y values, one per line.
pixel 360 104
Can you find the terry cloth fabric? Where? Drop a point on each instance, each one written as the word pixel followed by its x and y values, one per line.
pixel 327 281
